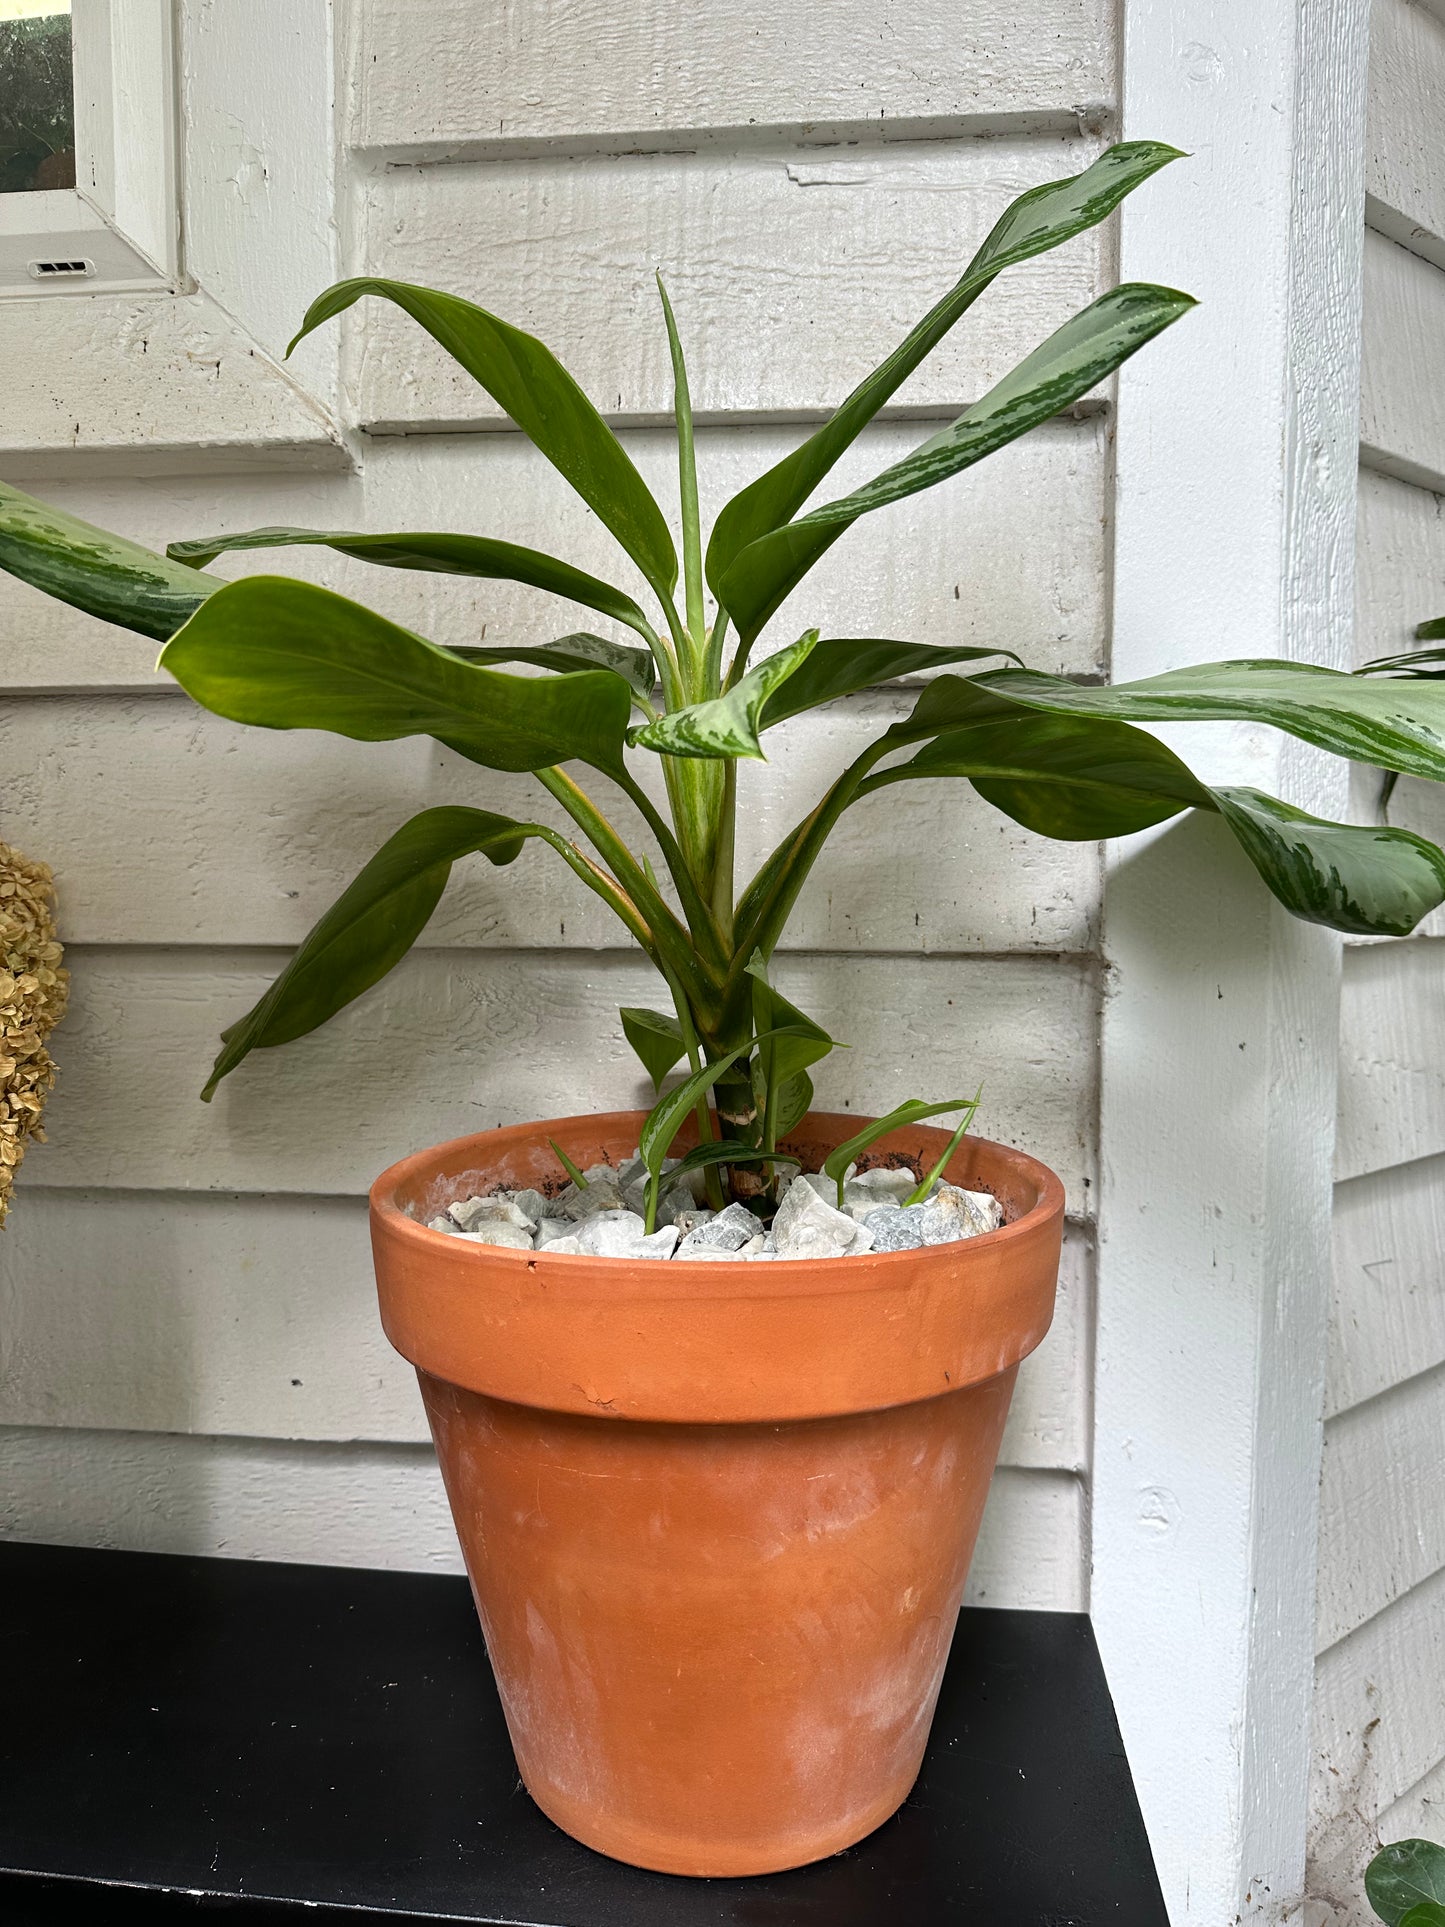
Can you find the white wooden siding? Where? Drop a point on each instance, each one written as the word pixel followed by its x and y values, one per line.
pixel 1402 427
pixel 1379 1709
pixel 1388 1317
pixel 445 76
pixel 142 1328
pixel 791 274
pixel 189 1355
pixel 1404 180
pixel 383 1505
pixel 1010 555
pixel 316 807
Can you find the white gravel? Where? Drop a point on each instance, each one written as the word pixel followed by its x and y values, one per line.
pixel 605 1218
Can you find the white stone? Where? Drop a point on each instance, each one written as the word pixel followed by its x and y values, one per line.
pixel 620 1234
pixel 806 1226
pixel 551 1230
pixel 569 1247
pixel 471 1213
pixel 894 1185
pixel 534 1205
pixel 729 1231
pixel 949 1214
pixel 443 1223
pixel 496 1231
pixel 600 1197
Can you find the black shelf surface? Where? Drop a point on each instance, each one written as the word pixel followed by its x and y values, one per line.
pixel 181 1736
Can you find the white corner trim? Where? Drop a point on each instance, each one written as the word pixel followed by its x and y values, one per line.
pixel 1236 467
pixel 148 384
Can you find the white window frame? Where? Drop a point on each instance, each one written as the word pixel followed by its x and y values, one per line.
pixel 121 218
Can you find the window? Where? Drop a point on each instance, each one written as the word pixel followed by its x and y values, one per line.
pixel 87 173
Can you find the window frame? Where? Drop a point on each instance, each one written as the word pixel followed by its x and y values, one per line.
pixel 122 216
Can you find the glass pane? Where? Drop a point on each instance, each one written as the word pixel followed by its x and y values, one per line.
pixel 37 96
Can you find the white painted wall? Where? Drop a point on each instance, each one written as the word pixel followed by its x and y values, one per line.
pixel 1379 1701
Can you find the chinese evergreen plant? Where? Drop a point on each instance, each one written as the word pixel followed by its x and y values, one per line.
pixel 1064 759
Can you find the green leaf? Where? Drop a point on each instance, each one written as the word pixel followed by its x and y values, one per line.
pixel 1403 1875
pixel 665 1119
pixel 1411 662
pixel 527 380
pixel 439 554
pixel 724 1151
pixel 370 927
pixel 792 1104
pixel 686 474
pixel 796 1042
pixel 1083 779
pixel 568 1166
pixel 840 665
pixel 1074 359
pixel 726 726
pixel 289 655
pixel 1428 1913
pixel 1038 220
pixel 567 654
pixel 912 1112
pixel 924 1188
pixel 1065 777
pixel 102 574
pixel 657 1039
pixel 1431 631
pixel 1368 881
pixel 1392 723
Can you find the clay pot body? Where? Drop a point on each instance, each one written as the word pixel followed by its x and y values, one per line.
pixel 717 1517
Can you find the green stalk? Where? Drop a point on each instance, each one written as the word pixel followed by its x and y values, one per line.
pixel 712 670
pixel 712 1178
pixel 722 874
pixel 669 937
pixel 698 912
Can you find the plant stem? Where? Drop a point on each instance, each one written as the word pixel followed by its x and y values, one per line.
pixel 712 1178
pixel 699 914
pixel 712 669
pixel 669 937
pixel 722 873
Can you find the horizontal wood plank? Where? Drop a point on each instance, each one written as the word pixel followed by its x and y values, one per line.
pixel 453 1042
pixel 791 273
pixel 1392 1056
pixel 1404 156
pixel 1011 556
pixel 1402 373
pixel 438 76
pixel 1387 1317
pixel 148 384
pixel 1418 1814
pixel 255 1317
pixel 1400 563
pixel 383 1506
pixel 250 835
pixel 1382 1504
pixel 1379 1706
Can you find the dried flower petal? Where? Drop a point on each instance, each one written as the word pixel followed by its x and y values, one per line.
pixel 33 993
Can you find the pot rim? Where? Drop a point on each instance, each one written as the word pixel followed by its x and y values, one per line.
pixel 722 1342
pixel 580 1265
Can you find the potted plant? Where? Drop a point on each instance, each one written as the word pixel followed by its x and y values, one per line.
pixel 718 1515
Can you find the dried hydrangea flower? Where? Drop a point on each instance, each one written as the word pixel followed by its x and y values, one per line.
pixel 33 993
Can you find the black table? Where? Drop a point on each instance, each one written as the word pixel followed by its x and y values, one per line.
pixel 180 1735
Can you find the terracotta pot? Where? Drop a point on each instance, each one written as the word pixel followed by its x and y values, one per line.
pixel 717 1517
